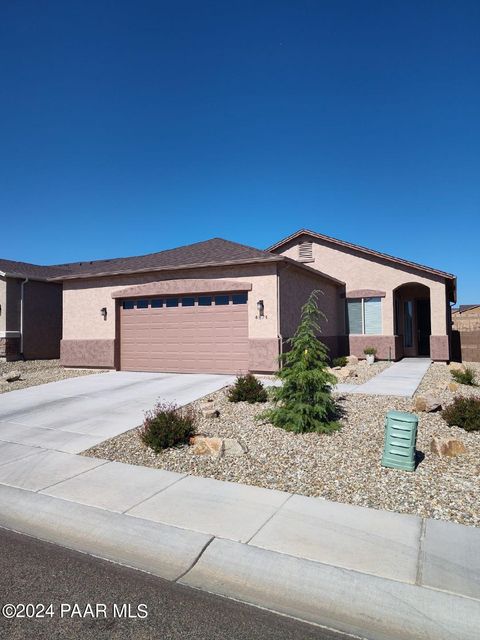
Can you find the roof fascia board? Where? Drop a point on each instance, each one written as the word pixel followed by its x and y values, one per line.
pixel 185 267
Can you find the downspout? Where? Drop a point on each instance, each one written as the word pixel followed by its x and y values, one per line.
pixel 22 293
pixel 279 335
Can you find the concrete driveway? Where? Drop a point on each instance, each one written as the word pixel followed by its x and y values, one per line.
pixel 75 414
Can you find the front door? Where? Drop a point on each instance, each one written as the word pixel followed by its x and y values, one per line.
pixel 423 327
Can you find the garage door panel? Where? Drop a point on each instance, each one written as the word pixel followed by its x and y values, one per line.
pixel 185 339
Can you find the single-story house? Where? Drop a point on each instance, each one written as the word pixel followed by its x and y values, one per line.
pixel 466 317
pixel 222 307
pixel 466 333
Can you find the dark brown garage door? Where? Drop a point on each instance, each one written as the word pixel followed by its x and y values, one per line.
pixel 202 333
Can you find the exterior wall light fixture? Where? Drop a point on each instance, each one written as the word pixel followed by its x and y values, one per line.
pixel 260 309
pixel 103 312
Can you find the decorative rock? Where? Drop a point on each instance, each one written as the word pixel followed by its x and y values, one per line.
pixel 427 403
pixel 344 372
pixel 203 446
pixel 453 386
pixel 232 447
pixel 456 366
pixel 447 447
pixel 352 360
pixel 210 412
pixel 13 376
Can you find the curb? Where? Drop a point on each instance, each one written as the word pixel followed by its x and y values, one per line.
pixel 164 550
pixel 341 599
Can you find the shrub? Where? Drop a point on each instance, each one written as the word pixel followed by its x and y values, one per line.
pixel 370 351
pixel 464 413
pixel 166 426
pixel 247 389
pixel 340 362
pixel 304 403
pixel 464 377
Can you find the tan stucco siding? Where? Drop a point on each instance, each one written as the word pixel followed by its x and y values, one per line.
pixel 83 299
pixel 362 272
pixel 295 287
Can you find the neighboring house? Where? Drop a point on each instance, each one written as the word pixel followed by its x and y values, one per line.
pixel 466 317
pixel 466 333
pixel 30 311
pixel 218 306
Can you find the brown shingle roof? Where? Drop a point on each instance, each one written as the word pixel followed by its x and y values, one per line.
pixel 34 271
pixel 209 252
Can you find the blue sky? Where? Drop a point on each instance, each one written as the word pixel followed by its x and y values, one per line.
pixel 131 127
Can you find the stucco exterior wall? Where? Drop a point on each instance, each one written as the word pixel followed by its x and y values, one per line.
pixel 83 299
pixel 361 272
pixel 42 323
pixel 295 288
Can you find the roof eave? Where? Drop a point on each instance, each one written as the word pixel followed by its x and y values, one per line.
pixel 11 274
pixel 313 271
pixel 184 267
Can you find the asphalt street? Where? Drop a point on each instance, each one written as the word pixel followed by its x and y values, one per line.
pixel 92 598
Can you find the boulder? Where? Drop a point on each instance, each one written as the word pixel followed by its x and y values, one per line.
pixel 453 386
pixel 203 446
pixel 233 448
pixel 352 360
pixel 210 412
pixel 456 366
pixel 344 372
pixel 13 376
pixel 427 403
pixel 447 447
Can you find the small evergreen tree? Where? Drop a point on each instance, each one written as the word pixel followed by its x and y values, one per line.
pixel 304 402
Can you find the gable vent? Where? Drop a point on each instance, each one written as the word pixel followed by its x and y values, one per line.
pixel 305 251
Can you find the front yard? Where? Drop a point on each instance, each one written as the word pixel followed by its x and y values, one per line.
pixel 343 466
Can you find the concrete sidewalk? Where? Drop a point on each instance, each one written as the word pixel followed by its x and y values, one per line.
pixel 378 574
pixel 400 379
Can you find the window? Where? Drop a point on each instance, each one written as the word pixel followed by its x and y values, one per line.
pixel 219 300
pixel 157 303
pixel 128 304
pixel 205 301
pixel 142 304
pixel 188 302
pixel 364 316
pixel 239 298
pixel 172 302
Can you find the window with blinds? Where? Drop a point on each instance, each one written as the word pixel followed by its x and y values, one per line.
pixel 305 251
pixel 364 316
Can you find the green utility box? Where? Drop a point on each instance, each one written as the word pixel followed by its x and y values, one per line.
pixel 400 440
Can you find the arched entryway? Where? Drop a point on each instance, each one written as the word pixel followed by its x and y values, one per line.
pixel 413 318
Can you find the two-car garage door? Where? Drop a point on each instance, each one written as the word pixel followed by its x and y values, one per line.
pixel 189 334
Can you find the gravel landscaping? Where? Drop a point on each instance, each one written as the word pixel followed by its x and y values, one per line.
pixel 344 466
pixel 34 372
pixel 362 372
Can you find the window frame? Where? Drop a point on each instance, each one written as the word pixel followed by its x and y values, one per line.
pixel 362 306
